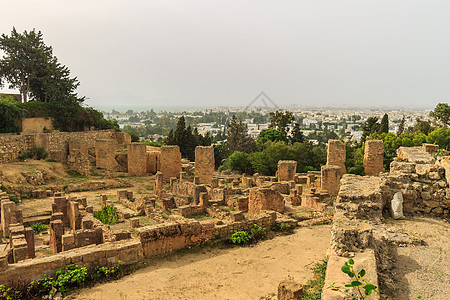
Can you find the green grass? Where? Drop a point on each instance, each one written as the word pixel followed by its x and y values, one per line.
pixel 313 289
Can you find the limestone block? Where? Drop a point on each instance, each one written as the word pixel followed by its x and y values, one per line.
pixel 170 162
pixel 290 290
pixel 137 158
pixel 430 148
pixel 373 157
pixel 414 155
pixel 204 163
pixel 105 154
pixel 261 199
pixel 336 154
pixel 286 170
pixel 331 177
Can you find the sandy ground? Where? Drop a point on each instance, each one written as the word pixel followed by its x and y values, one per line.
pixel 423 270
pixel 232 273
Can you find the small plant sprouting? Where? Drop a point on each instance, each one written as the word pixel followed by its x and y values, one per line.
pixel 363 288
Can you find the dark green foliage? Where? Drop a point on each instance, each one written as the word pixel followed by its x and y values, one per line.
pixel 272 135
pixel 297 135
pixel 36 153
pixel 244 238
pixel 134 136
pixel 154 144
pixel 187 139
pixel 384 125
pixel 64 280
pixel 220 154
pixel 401 126
pixel 238 161
pixel 238 138
pixel 107 215
pixel 441 114
pixel 38 227
pixel 9 113
pixel 281 120
pixel 370 126
pixel 313 289
pixel 441 137
pixel 265 161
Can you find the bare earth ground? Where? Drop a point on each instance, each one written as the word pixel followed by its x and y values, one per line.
pixel 232 273
pixel 423 270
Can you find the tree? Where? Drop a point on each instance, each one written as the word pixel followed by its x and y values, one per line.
pixel 297 135
pixel 24 55
pixel 441 114
pixel 384 125
pixel 9 112
pixel 271 135
pixel 281 120
pixel 401 126
pixel 238 138
pixel 370 126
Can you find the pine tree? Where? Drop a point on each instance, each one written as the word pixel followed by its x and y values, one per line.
pixel 297 135
pixel 384 126
pixel 238 138
pixel 401 126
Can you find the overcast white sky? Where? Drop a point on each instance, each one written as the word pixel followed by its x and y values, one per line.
pixel 207 52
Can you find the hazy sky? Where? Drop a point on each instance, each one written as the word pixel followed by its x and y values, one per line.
pixel 316 52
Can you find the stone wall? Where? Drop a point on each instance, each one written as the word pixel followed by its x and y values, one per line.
pixel 129 252
pixel 373 157
pixel 204 163
pixel 105 153
pixel 55 143
pixel 261 199
pixel 35 125
pixel 170 162
pixel 11 145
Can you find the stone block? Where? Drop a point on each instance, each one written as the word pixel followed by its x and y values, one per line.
pixel 170 162
pixel 336 154
pixel 137 158
pixel 204 163
pixel 290 290
pixel 286 170
pixel 373 157
pixel 331 176
pixel 105 154
pixel 261 199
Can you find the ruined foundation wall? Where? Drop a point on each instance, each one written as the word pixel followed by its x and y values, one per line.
pixel 11 145
pixel 129 252
pixel 336 154
pixel 137 158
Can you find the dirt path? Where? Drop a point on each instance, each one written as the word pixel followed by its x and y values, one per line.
pixel 423 270
pixel 233 273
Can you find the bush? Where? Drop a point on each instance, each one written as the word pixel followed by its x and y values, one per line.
pixel 107 215
pixel 36 153
pixel 243 238
pixel 38 227
pixel 9 113
pixel 313 290
pixel 238 161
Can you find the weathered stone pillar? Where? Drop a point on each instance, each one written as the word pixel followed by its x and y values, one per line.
pixel 56 233
pixel 373 157
pixel 59 205
pixel 105 154
pixel 336 154
pixel 331 176
pixel 204 200
pixel 170 162
pixel 204 163
pixel 286 170
pixel 214 183
pixel 74 216
pixel 29 237
pixel 158 183
pixel 137 158
pixel 7 209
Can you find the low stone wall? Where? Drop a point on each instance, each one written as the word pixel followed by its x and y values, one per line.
pixel 129 252
pixel 36 125
pixel 11 145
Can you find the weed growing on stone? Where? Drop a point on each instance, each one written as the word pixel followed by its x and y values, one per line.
pixel 363 288
pixel 313 290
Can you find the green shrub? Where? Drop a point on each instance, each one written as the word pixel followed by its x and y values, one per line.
pixel 243 238
pixel 36 153
pixel 38 227
pixel 9 113
pixel 107 215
